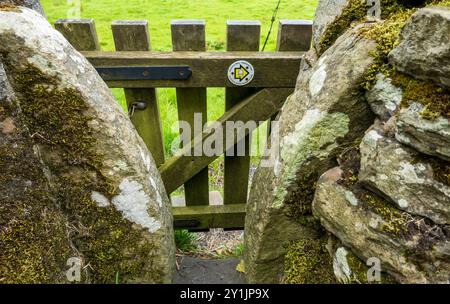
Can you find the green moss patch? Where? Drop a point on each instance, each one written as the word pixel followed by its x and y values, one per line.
pixel 358 268
pixel 359 272
pixel 443 3
pixel 308 262
pixel 33 237
pixel 299 202
pixel 9 7
pixel 436 99
pixel 396 220
pixel 386 34
pixel 59 122
pixel 350 162
pixel 354 11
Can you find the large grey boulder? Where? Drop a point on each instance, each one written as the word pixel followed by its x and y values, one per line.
pixel 326 13
pixel 413 183
pixel 424 50
pixel 89 167
pixel 32 4
pixel 410 249
pixel 325 112
pixel 427 136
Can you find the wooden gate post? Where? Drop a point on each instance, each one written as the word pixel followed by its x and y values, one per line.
pixel 81 33
pixel 189 35
pixel 293 35
pixel 241 36
pixel 134 36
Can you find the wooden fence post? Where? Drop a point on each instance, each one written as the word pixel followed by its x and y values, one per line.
pixel 81 33
pixel 189 35
pixel 293 35
pixel 241 36
pixel 134 36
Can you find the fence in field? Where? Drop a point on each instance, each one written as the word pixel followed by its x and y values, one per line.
pixel 190 69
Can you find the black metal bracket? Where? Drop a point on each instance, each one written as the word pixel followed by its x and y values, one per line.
pixel 145 73
pixel 185 224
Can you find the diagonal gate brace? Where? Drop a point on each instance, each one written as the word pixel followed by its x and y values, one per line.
pixel 258 107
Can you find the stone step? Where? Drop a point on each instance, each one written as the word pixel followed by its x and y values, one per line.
pixel 204 271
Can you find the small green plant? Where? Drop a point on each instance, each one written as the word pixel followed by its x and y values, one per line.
pixel 238 250
pixel 224 253
pixel 185 240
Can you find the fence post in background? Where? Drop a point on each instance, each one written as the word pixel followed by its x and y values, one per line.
pixel 81 33
pixel 293 35
pixel 134 36
pixel 241 36
pixel 189 35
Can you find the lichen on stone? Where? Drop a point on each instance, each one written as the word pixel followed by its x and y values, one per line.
pixel 318 132
pixel 441 168
pixel 350 162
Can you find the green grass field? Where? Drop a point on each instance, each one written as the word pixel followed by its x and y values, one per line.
pixel 159 13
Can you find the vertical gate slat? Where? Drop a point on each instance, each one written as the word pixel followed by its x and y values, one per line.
pixel 134 36
pixel 293 35
pixel 241 36
pixel 81 33
pixel 189 35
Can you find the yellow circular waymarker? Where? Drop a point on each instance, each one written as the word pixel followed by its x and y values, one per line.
pixel 241 73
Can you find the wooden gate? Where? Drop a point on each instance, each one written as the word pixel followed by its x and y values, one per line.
pixel 190 69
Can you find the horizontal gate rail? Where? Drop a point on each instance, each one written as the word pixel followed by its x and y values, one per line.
pixel 204 217
pixel 209 69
